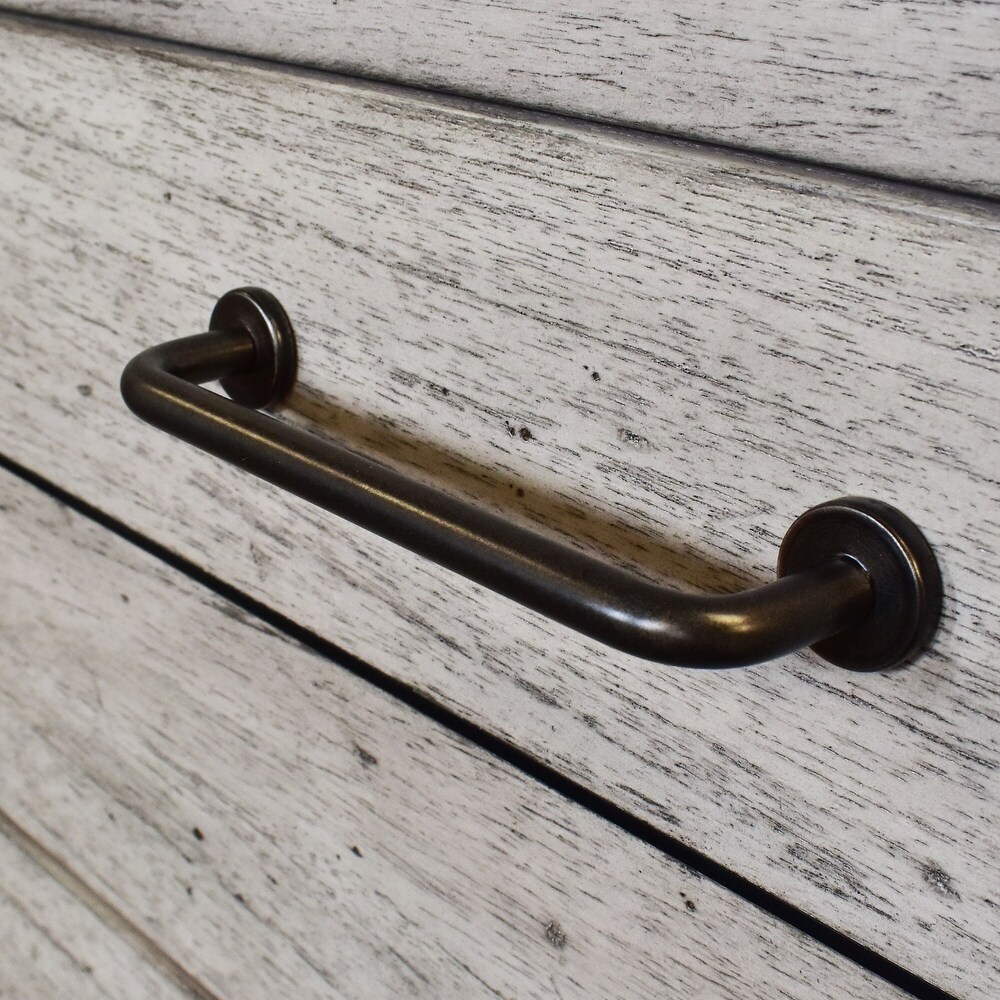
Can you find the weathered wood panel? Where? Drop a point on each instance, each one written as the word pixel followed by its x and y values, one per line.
pixel 289 831
pixel 54 946
pixel 664 354
pixel 909 90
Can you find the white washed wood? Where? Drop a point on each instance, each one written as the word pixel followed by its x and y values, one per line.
pixel 764 339
pixel 904 89
pixel 290 831
pixel 53 946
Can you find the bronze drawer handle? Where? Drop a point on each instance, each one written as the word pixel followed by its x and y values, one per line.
pixel 856 579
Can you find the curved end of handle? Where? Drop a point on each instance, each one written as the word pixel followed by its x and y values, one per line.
pixel 260 314
pixel 250 348
pixel 901 566
pixel 135 381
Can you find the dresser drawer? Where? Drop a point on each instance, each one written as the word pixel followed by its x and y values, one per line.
pixel 294 831
pixel 906 90
pixel 659 354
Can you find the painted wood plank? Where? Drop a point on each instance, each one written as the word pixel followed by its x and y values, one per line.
pixel 55 946
pixel 293 831
pixel 663 354
pixel 902 89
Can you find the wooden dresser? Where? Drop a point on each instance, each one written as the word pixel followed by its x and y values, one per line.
pixel 650 279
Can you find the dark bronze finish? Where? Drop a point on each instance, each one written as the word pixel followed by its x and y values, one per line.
pixel 857 581
pixel 272 375
pixel 907 583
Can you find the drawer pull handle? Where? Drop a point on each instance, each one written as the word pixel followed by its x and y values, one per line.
pixel 856 579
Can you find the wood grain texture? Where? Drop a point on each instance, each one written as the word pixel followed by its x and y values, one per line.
pixel 904 89
pixel 662 354
pixel 54 946
pixel 294 832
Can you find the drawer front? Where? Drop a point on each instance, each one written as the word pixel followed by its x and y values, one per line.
pixel 660 354
pixel 294 831
pixel 907 90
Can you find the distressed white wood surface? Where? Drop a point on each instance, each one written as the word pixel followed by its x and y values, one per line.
pixel 53 946
pixel 905 89
pixel 287 830
pixel 662 353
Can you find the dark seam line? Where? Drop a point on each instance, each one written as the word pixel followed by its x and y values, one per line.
pixel 539 771
pixel 749 153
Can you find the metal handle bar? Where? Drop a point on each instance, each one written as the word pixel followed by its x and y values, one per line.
pixel 856 579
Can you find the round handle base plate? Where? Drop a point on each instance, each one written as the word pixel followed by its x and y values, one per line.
pixel 906 579
pixel 260 314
